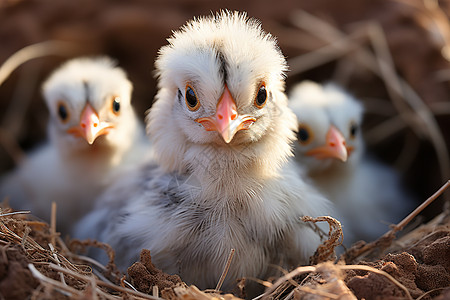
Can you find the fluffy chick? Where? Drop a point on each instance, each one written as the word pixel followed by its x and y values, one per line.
pixel 330 148
pixel 93 135
pixel 222 134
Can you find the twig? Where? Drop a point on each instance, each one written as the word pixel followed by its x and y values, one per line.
pixel 63 245
pixel 25 237
pixel 88 260
pixel 385 129
pixel 317 292
pixel 4 230
pixel 289 276
pixel 58 262
pixel 320 56
pixel 399 87
pixel 258 297
pixel 282 270
pixel 225 271
pixel 52 282
pixel 105 284
pixel 34 51
pixel 308 269
pixel 429 292
pixel 130 285
pixel 437 22
pixel 155 291
pixel 102 293
pixel 106 247
pixel 421 207
pixel 53 224
pixel 15 213
pixel 325 251
pixel 386 239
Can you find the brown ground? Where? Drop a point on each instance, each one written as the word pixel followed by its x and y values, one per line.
pixel 417 39
pixel 418 262
pixel 420 267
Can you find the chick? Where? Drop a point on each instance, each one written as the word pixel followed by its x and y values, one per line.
pixel 222 135
pixel 93 134
pixel 330 148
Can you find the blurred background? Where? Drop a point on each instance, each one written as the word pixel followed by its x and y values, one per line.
pixel 394 55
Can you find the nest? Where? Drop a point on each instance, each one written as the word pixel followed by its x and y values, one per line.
pixel 36 263
pixel 392 54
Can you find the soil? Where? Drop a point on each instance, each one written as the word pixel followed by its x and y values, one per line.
pixel 144 275
pixel 417 39
pixel 17 282
pixel 418 262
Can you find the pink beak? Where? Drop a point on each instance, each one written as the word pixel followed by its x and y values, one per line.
pixel 226 121
pixel 90 126
pixel 334 146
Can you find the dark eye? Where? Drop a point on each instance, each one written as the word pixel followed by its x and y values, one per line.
pixel 353 130
pixel 63 112
pixel 116 105
pixel 304 134
pixel 261 97
pixel 191 99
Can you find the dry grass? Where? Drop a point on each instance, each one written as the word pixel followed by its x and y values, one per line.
pixel 62 273
pixel 411 110
pixel 382 243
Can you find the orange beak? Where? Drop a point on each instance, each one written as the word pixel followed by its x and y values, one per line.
pixel 227 122
pixel 90 126
pixel 334 147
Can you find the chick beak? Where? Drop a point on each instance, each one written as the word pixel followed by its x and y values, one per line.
pixel 90 126
pixel 334 146
pixel 226 121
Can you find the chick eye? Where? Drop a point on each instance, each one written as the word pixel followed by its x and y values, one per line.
pixel 261 97
pixel 191 99
pixel 63 112
pixel 116 105
pixel 304 134
pixel 353 130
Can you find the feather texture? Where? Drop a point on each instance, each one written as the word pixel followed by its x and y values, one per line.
pixel 205 195
pixel 368 194
pixel 78 161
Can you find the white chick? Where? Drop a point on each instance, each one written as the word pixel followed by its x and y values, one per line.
pixel 222 134
pixel 330 148
pixel 93 134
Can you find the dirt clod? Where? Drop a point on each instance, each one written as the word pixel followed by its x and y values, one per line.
pixel 144 275
pixel 16 280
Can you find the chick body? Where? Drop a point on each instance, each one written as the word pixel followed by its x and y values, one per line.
pixel 368 195
pixel 222 177
pixel 93 135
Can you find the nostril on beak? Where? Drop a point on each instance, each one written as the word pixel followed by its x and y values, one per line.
pixel 332 144
pixel 220 117
pixel 83 125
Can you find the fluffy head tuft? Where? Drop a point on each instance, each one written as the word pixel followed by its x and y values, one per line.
pixel 199 48
pixel 209 54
